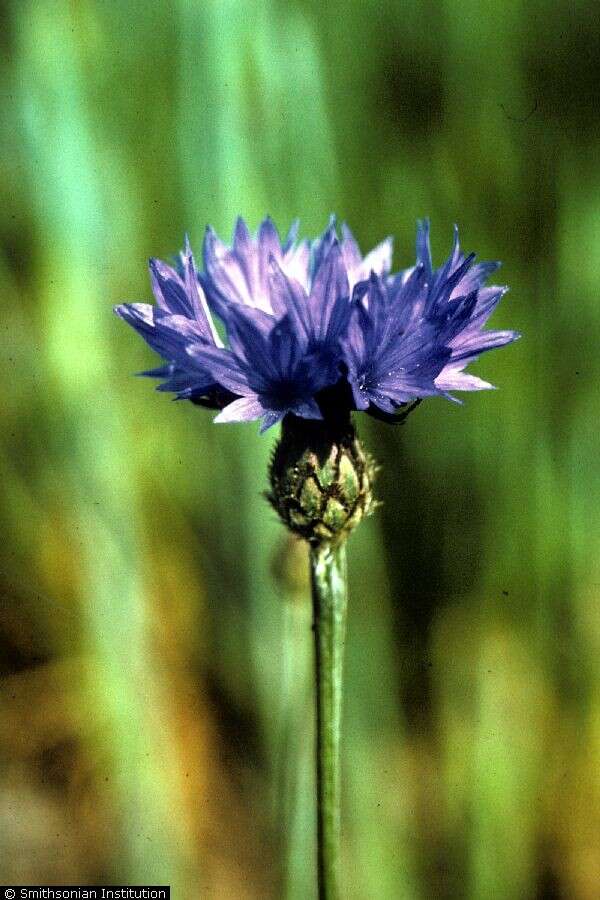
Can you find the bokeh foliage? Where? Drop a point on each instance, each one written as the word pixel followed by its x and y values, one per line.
pixel 155 628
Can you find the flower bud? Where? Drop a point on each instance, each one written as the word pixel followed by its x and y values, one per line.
pixel 321 479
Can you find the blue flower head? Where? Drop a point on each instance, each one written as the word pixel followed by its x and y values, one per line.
pixel 311 323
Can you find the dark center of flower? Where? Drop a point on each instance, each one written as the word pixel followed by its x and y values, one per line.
pixel 285 394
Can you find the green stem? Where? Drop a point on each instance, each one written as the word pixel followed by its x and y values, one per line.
pixel 328 570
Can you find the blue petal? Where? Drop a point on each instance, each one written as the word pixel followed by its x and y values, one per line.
pixel 223 366
pixel 169 289
pixel 245 409
pixel 423 247
pixel 329 287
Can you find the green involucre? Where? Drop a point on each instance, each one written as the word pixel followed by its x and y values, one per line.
pixel 321 479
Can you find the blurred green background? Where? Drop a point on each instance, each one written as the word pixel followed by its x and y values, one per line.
pixel 155 658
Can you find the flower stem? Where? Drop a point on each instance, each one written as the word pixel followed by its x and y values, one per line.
pixel 328 571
